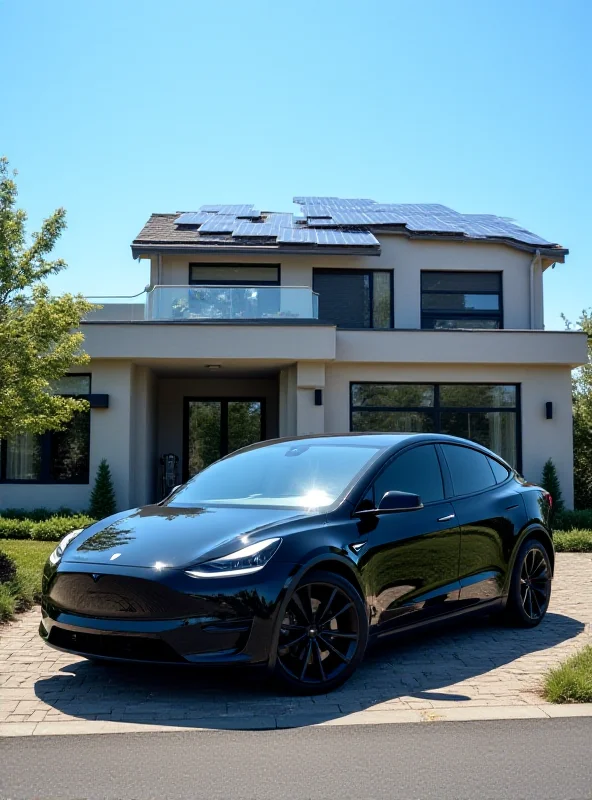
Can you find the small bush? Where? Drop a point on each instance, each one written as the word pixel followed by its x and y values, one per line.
pixel 570 520
pixel 574 541
pixel 102 499
pixel 51 530
pixel 7 568
pixel 571 682
pixel 550 482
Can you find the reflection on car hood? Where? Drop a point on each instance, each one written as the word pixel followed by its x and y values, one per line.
pixel 173 537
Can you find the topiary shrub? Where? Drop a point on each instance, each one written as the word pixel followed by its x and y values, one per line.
pixel 7 568
pixel 550 482
pixel 102 499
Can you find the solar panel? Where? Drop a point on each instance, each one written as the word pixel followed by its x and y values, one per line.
pixel 254 229
pixel 252 214
pixel 297 236
pixel 218 223
pixel 355 238
pixel 192 218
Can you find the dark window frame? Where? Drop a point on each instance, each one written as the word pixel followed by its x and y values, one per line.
pixel 435 410
pixel 224 401
pixel 370 272
pixel 45 457
pixel 433 314
pixel 193 282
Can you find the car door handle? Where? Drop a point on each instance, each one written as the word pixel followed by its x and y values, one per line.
pixel 445 519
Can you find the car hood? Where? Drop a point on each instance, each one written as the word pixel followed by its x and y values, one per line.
pixel 174 537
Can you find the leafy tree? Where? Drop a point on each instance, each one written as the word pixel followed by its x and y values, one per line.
pixel 582 417
pixel 38 338
pixel 550 482
pixel 102 499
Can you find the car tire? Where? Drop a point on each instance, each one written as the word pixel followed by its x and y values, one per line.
pixel 322 635
pixel 530 587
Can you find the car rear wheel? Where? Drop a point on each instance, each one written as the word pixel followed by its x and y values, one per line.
pixel 323 634
pixel 530 590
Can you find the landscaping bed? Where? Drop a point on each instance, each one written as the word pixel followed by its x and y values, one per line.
pixel 20 594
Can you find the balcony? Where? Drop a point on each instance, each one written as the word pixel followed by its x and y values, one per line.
pixel 205 303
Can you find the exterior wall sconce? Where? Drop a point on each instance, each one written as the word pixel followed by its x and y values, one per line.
pixel 549 410
pixel 318 397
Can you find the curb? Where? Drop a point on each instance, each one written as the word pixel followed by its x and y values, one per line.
pixel 266 723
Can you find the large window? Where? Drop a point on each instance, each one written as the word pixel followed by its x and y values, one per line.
pixel 461 300
pixel 354 298
pixel 55 456
pixel 234 274
pixel 484 413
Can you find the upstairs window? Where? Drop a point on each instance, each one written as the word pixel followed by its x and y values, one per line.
pixel 353 298
pixel 55 456
pixel 452 300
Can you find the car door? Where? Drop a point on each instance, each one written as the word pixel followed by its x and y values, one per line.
pixel 412 558
pixel 490 513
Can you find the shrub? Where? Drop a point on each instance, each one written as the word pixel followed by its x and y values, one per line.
pixel 550 482
pixel 51 530
pixel 571 682
pixel 576 541
pixel 7 568
pixel 102 499
pixel 569 520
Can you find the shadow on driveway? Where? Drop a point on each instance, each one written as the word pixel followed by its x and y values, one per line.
pixel 415 666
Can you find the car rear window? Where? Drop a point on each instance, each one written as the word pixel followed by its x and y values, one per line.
pixel 470 470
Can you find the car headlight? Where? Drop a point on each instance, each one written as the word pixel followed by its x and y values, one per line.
pixel 243 562
pixel 57 554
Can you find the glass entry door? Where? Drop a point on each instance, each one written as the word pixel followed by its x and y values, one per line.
pixel 214 428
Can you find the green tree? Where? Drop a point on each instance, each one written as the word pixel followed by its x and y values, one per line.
pixel 550 482
pixel 582 417
pixel 102 499
pixel 38 337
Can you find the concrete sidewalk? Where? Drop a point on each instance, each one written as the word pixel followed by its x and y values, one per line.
pixel 467 672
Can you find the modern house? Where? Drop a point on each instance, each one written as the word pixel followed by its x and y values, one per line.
pixel 350 315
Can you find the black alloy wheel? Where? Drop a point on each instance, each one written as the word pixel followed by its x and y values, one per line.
pixel 323 634
pixel 530 591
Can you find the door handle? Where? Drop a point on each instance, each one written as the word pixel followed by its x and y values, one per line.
pixel 445 519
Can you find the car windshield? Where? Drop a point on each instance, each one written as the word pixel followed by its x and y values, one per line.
pixel 296 474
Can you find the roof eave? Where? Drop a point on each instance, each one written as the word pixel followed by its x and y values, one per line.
pixel 139 249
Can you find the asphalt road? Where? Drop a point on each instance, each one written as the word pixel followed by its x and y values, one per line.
pixel 523 759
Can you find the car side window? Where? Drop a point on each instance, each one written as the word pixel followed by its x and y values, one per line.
pixel 500 472
pixel 470 470
pixel 417 471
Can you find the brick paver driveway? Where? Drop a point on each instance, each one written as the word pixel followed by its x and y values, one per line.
pixel 476 665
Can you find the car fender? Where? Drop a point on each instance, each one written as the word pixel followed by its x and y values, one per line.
pixel 540 532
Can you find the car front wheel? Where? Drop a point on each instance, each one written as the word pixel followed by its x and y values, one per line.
pixel 530 590
pixel 323 634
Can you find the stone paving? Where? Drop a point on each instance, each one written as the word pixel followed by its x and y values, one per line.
pixel 481 667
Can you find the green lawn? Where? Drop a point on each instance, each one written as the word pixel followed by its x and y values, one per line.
pixel 571 682
pixel 20 594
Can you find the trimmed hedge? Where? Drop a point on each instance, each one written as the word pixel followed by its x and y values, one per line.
pixel 37 514
pixel 50 530
pixel 573 520
pixel 575 541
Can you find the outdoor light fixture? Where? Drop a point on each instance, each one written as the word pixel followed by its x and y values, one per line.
pixel 549 410
pixel 318 397
pixel 213 366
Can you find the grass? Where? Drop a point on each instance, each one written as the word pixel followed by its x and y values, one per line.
pixel 574 541
pixel 21 593
pixel 571 682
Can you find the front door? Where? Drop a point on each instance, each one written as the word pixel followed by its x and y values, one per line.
pixel 214 428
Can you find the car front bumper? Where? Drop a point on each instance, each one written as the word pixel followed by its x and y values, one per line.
pixel 137 614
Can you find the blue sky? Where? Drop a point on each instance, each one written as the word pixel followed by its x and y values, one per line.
pixel 118 109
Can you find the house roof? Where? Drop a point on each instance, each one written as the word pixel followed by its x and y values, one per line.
pixel 328 225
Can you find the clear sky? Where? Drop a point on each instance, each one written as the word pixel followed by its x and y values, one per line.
pixel 118 108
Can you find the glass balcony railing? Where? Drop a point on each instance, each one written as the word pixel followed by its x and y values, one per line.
pixel 198 303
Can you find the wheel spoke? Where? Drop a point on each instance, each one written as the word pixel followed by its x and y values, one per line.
pixel 346 607
pixel 296 600
pixel 530 600
pixel 306 660
pixel 542 592
pixel 288 645
pixel 334 650
pixel 538 605
pixel 338 634
pixel 321 614
pixel 320 660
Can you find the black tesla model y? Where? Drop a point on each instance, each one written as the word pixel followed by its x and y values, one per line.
pixel 296 553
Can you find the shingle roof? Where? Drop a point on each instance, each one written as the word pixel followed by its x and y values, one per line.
pixel 329 224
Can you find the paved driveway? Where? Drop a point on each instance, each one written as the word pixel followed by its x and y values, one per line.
pixel 473 667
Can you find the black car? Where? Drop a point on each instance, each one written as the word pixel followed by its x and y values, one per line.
pixel 296 553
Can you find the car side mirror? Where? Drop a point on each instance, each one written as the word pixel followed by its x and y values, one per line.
pixel 170 494
pixel 393 503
